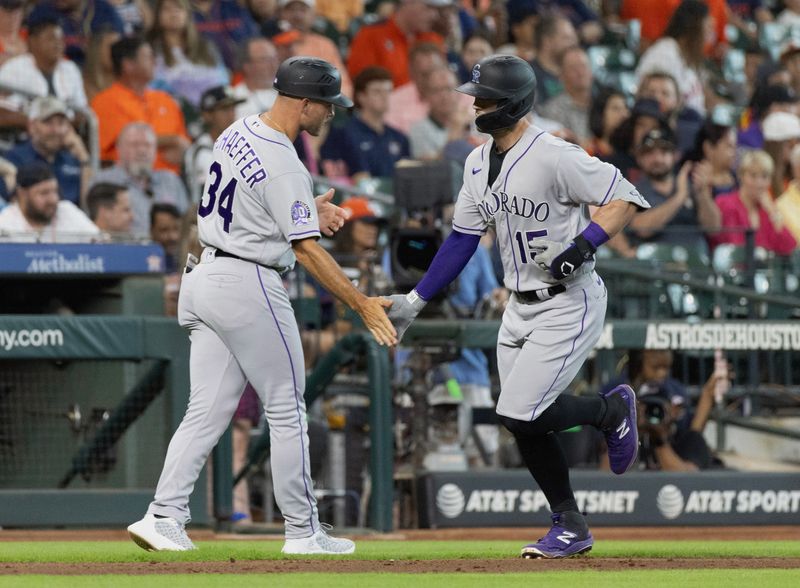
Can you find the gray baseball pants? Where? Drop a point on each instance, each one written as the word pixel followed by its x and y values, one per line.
pixel 541 346
pixel 242 328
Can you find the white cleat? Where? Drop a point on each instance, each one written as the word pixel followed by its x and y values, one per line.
pixel 320 543
pixel 152 534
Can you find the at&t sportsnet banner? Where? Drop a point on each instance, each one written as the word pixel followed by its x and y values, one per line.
pixel 512 499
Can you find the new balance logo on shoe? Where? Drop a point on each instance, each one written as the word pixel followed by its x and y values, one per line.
pixel 566 537
pixel 623 429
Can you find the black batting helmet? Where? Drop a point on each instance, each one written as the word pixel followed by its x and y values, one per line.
pixel 312 78
pixel 507 79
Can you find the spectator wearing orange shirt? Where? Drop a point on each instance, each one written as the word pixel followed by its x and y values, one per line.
pixel 300 15
pixel 130 100
pixel 386 44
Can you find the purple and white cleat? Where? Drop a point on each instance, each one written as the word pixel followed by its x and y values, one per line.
pixel 623 438
pixel 559 542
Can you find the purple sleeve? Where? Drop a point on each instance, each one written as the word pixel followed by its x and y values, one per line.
pixel 451 258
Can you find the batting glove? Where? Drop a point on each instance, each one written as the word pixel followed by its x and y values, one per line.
pixel 561 261
pixel 404 310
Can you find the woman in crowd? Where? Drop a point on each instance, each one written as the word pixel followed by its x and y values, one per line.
pixel 608 110
pixel 185 62
pixel 98 72
pixel 625 139
pixel 715 155
pixel 751 208
pixel 680 52
pixel 476 47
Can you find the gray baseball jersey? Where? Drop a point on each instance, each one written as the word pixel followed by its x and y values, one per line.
pixel 258 196
pixel 542 191
pixel 257 199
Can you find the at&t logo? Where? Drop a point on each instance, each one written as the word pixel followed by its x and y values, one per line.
pixel 670 501
pixel 450 501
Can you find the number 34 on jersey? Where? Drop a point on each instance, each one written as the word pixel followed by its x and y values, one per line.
pixel 222 199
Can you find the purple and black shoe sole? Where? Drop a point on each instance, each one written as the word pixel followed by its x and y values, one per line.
pixel 540 551
pixel 621 466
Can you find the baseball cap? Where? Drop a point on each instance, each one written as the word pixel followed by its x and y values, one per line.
pixel 647 107
pixel 44 107
pixel 218 97
pixel 658 138
pixel 362 209
pixel 781 126
pixel 34 173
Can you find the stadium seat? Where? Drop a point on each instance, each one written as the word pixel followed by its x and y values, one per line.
pixel 676 257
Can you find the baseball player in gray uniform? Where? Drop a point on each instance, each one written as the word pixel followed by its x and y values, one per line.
pixel 257 216
pixel 536 189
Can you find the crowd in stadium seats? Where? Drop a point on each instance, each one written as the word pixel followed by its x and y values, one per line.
pixel 715 78
pixel 109 110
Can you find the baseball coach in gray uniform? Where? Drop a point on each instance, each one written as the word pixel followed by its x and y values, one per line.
pixel 535 189
pixel 256 218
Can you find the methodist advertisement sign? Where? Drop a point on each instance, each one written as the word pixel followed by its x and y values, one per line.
pixel 511 498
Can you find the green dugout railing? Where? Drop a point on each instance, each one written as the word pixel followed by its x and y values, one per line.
pixel 133 339
pixel 43 338
pixel 137 338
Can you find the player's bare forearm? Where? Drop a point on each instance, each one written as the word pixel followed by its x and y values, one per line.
pixel 614 216
pixel 327 272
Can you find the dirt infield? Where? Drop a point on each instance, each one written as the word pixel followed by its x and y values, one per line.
pixel 495 566
pixel 508 565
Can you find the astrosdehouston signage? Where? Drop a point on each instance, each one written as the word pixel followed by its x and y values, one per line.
pixel 510 498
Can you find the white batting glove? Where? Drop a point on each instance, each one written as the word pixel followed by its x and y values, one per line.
pixel 404 310
pixel 545 252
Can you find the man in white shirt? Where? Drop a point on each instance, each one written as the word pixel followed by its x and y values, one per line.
pixel 43 72
pixel 39 214
pixel 259 60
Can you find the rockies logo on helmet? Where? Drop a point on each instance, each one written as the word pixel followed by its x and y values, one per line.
pixel 476 74
pixel 507 80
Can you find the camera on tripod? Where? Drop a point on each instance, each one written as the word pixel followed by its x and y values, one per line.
pixel 656 409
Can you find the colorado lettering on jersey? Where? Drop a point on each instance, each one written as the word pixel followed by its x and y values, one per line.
pixel 243 156
pixel 513 204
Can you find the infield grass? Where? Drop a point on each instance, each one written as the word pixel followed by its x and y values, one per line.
pixel 126 551
pixel 634 579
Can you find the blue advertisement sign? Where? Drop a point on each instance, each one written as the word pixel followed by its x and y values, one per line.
pixel 80 258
